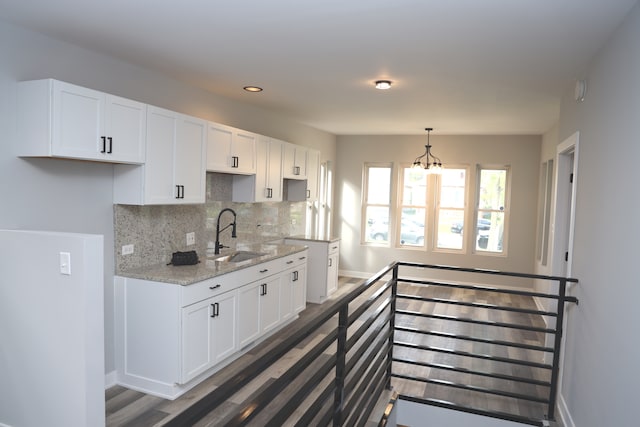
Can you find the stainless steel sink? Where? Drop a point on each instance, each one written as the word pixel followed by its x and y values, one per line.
pixel 239 256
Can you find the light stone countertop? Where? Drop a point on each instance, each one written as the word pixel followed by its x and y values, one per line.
pixel 207 267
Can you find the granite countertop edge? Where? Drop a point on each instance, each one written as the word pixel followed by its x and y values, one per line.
pixel 309 238
pixel 207 268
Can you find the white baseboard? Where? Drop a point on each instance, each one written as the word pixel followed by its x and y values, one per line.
pixel 563 412
pixel 110 379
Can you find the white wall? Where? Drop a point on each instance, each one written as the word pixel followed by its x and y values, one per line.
pixel 601 369
pixel 75 196
pixel 522 153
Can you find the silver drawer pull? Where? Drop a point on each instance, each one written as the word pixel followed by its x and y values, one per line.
pixel 215 287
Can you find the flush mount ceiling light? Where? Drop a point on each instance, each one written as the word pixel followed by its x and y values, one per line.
pixel 383 84
pixel 252 88
pixel 428 161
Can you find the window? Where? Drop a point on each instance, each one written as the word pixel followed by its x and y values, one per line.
pixel 491 211
pixel 451 207
pixel 413 206
pixel 377 203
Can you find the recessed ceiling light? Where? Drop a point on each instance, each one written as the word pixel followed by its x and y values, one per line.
pixel 252 89
pixel 383 84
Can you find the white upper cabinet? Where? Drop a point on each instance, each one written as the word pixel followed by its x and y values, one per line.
pixel 174 171
pixel 266 184
pixel 294 161
pixel 308 189
pixel 58 119
pixel 230 150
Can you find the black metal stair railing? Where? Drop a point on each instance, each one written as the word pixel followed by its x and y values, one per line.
pixel 359 345
pixel 475 361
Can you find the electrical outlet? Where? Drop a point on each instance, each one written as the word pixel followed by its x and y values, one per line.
pixel 127 249
pixel 191 238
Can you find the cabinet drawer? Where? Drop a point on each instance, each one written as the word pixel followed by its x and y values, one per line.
pixel 228 282
pixel 334 247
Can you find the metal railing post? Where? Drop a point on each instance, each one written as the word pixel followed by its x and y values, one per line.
pixel 341 357
pixel 392 324
pixel 555 370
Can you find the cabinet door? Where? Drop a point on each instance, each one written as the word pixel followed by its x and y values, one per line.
pixel 230 150
pixel 223 326
pixel 332 272
pixel 125 128
pixel 275 170
pixel 197 353
pixel 286 294
pixel 78 115
pixel 269 303
pixel 162 127
pixel 190 157
pixel 244 149
pixel 294 161
pixel 299 289
pixel 248 313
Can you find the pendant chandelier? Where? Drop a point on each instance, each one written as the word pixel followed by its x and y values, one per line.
pixel 428 161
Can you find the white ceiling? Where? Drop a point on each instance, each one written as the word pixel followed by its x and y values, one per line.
pixel 459 66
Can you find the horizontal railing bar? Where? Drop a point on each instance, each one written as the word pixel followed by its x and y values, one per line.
pixel 478 322
pixel 487 271
pixel 482 288
pixel 364 394
pixel 474 339
pixel 373 401
pixel 476 411
pixel 366 345
pixel 364 306
pixel 473 372
pixel 250 409
pixel 297 398
pixel 495 392
pixel 473 355
pixel 316 406
pixel 356 335
pixel 478 305
pixel 360 387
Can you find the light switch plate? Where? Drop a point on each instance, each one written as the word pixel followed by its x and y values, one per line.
pixel 65 263
pixel 127 249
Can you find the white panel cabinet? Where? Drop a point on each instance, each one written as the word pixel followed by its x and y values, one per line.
pixel 308 189
pixel 170 337
pixel 58 119
pixel 322 267
pixel 208 333
pixel 230 150
pixel 294 161
pixel 266 185
pixel 174 171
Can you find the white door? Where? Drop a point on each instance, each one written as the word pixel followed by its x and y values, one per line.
pixel 196 339
pixel 269 303
pixel 248 313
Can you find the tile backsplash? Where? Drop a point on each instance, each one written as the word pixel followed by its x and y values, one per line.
pixel 158 231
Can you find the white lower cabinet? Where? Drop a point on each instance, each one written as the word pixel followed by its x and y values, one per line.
pixel 208 335
pixel 322 273
pixel 170 337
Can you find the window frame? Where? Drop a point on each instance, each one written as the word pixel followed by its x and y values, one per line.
pixel 399 206
pixel 365 204
pixel 506 211
pixel 465 210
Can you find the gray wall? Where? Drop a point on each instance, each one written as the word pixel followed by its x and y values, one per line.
pixel 521 153
pixel 72 196
pixel 601 366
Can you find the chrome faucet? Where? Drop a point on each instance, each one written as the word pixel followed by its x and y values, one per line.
pixel 218 230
